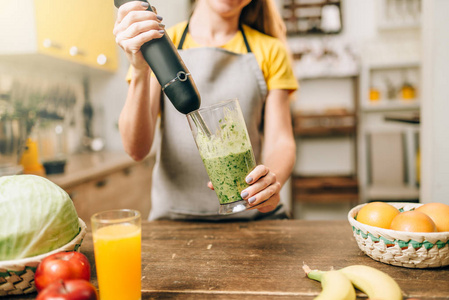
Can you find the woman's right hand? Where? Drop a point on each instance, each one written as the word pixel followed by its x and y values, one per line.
pixel 135 26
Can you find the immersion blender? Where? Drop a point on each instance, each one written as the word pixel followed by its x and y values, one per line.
pixel 172 74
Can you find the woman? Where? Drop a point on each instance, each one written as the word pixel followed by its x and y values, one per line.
pixel 233 49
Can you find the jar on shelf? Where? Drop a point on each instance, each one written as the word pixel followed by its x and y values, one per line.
pixel 374 94
pixel 408 92
pixel 392 91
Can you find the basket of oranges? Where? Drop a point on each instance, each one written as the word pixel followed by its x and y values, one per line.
pixel 409 235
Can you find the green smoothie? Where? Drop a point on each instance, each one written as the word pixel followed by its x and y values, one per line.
pixel 228 173
pixel 228 156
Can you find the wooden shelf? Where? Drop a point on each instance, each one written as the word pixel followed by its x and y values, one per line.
pixel 328 74
pixel 393 105
pixel 392 193
pixel 326 124
pixel 304 17
pixel 325 189
pixel 396 64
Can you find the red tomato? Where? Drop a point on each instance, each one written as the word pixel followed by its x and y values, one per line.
pixel 72 289
pixel 61 266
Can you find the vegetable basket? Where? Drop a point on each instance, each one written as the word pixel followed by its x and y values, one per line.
pixel 17 276
pixel 400 248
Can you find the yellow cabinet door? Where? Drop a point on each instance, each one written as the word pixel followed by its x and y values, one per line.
pixel 101 41
pixel 79 31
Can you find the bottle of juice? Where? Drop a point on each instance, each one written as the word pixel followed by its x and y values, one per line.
pixel 30 159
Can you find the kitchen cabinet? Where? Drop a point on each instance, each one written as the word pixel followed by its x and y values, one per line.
pixel 390 80
pixel 125 188
pixel 389 150
pixel 391 84
pixel 79 31
pixel 103 181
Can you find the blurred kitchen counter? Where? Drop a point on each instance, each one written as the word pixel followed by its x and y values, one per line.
pixel 83 167
pixel 98 181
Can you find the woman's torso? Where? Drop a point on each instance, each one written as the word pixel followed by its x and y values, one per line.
pixel 179 188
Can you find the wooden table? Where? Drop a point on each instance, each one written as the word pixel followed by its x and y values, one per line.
pixel 256 260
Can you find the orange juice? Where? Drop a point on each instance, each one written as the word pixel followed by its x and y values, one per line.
pixel 118 261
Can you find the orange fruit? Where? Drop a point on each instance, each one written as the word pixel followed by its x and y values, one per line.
pixel 413 221
pixel 379 214
pixel 438 212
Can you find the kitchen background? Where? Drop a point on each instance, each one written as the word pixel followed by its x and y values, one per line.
pixel 370 118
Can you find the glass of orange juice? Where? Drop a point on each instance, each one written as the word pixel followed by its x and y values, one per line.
pixel 117 247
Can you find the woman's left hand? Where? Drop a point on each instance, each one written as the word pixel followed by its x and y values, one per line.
pixel 263 191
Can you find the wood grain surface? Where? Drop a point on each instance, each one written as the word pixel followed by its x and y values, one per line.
pixel 257 260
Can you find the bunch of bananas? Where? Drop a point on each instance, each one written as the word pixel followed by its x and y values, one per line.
pixel 339 284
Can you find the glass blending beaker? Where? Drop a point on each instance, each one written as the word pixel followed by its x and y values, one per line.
pixel 222 139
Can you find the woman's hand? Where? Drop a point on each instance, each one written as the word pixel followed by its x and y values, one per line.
pixel 264 189
pixel 134 27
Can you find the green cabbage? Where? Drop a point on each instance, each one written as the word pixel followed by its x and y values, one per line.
pixel 36 216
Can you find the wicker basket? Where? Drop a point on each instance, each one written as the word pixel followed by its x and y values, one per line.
pixel 17 276
pixel 399 248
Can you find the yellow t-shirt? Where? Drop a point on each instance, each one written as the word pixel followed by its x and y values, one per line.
pixel 270 54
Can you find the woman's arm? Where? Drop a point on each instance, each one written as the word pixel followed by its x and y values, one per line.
pixel 278 154
pixel 134 27
pixel 279 147
pixel 137 122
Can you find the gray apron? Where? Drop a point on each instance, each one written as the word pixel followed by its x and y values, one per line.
pixel 179 188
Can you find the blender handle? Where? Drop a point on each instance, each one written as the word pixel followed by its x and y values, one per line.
pixel 169 69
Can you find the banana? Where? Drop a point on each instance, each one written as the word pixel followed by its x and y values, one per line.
pixel 335 285
pixel 374 283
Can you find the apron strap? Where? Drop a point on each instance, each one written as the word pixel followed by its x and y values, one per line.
pixel 183 37
pixel 248 48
